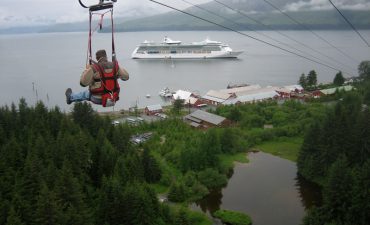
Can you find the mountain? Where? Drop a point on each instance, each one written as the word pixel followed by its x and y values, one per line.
pixel 311 15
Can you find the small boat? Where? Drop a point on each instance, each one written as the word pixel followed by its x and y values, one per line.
pixel 166 93
pixel 230 86
pixel 147 96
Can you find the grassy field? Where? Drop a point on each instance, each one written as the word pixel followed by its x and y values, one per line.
pixel 233 217
pixel 227 161
pixel 286 148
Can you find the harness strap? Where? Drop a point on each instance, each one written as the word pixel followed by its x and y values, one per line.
pixel 103 79
pixel 113 46
pixel 100 25
pixel 89 44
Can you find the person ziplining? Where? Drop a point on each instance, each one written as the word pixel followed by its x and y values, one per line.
pixel 100 76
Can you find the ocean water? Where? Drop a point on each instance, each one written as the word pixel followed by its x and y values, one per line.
pixel 42 66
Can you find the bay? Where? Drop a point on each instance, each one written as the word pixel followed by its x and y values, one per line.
pixel 49 63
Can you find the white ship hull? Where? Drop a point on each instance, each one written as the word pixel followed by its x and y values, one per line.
pixel 170 49
pixel 215 55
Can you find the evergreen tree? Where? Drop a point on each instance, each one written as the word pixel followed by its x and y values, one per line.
pixel 84 115
pixel 112 203
pixel 211 178
pixel 303 81
pixel 4 209
pixel 210 145
pixel 120 138
pixel 309 164
pixel 129 169
pixel 48 211
pixel 152 172
pixel 69 194
pixel 142 207
pixel 312 78
pixel 235 114
pixel 338 79
pixel 362 141
pixel 28 185
pixel 182 217
pixel 360 196
pixel 337 199
pixel 364 70
pixel 14 218
pixel 107 159
pixel 177 192
pixel 366 98
pixel 227 141
pixel 178 105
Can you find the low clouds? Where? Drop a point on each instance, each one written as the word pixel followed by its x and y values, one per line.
pixel 45 12
pixel 325 5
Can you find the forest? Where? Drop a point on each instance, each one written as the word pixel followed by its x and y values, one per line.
pixel 78 168
pixel 56 168
pixel 81 168
pixel 336 155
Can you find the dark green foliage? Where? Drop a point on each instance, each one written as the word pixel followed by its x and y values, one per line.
pixel 178 105
pixel 84 115
pixel 14 218
pixel 235 114
pixel 134 203
pixel 335 154
pixel 177 192
pixel 233 217
pixel 360 196
pixel 312 78
pixel 364 70
pixel 303 81
pixel 152 172
pixel 212 178
pixel 337 190
pixel 54 170
pixel 195 189
pixel 230 141
pixel 182 217
pixel 70 197
pixel 307 161
pixel 48 210
pixel 338 79
pixel 136 212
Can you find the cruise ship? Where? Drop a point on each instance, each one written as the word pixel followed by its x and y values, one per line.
pixel 171 49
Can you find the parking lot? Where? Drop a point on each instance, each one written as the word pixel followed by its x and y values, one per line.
pixel 133 120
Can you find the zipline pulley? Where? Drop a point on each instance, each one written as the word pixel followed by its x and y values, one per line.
pixel 100 6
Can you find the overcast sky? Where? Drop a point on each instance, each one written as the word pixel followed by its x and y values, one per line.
pixel 37 12
pixel 40 12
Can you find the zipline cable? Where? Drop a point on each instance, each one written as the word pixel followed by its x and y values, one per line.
pixel 246 35
pixel 260 33
pixel 308 29
pixel 350 24
pixel 286 36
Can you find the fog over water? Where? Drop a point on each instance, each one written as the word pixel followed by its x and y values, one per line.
pixel 55 61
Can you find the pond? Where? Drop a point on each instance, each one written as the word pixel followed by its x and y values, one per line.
pixel 268 189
